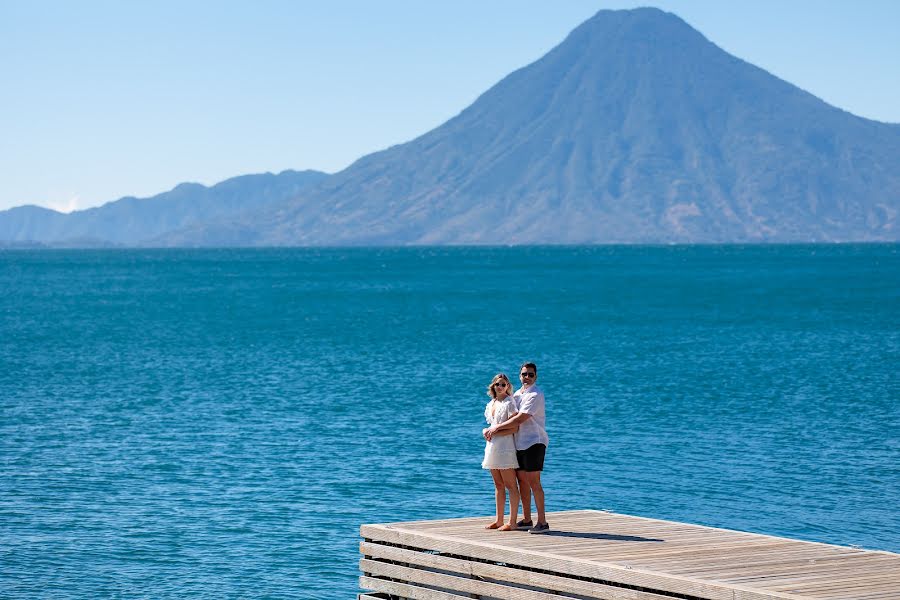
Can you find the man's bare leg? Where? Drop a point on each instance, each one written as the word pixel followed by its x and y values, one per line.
pixel 525 493
pixel 534 486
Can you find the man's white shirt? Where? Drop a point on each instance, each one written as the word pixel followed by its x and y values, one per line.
pixel 534 430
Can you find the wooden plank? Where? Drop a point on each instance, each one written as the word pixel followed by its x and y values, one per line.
pixel 455 583
pixel 836 573
pixel 677 553
pixel 496 572
pixel 848 584
pixel 797 561
pixel 404 590
pixel 889 595
pixel 742 564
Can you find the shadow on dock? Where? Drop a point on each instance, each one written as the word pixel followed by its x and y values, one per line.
pixel 611 537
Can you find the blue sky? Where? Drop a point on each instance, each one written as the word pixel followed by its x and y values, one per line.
pixel 103 99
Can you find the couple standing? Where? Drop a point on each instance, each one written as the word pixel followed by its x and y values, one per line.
pixel 516 443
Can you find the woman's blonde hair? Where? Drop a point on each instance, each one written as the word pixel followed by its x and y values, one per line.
pixel 499 377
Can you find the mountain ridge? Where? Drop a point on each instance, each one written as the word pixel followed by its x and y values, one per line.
pixel 634 129
pixel 130 220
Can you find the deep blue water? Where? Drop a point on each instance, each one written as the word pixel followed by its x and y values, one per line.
pixel 218 423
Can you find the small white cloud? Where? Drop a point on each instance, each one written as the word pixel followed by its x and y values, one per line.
pixel 66 206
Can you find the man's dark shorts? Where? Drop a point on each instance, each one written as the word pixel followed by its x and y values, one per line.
pixel 531 459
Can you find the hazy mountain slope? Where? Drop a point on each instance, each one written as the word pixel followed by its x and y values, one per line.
pixel 134 220
pixel 634 129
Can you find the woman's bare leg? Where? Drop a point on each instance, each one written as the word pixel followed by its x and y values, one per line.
pixel 509 481
pixel 499 497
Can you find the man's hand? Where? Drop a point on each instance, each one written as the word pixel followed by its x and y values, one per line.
pixel 488 433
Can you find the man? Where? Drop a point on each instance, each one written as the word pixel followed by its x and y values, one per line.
pixel 531 445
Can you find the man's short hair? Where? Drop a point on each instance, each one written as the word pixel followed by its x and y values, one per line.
pixel 531 366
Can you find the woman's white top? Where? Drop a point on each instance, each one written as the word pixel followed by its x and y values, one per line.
pixel 500 452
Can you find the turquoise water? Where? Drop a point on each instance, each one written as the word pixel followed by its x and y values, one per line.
pixel 218 423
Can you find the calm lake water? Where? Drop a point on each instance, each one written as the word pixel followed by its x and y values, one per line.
pixel 218 423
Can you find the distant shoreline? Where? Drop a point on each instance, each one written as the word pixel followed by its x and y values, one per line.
pixel 56 247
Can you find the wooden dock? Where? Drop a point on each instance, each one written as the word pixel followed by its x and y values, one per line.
pixel 596 554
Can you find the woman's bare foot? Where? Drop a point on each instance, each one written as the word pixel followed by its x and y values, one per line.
pixel 508 527
pixel 494 525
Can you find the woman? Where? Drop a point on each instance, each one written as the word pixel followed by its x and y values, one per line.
pixel 500 452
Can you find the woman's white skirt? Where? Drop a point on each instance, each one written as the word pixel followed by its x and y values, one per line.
pixel 500 454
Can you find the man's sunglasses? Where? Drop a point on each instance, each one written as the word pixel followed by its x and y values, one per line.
pixel 527 374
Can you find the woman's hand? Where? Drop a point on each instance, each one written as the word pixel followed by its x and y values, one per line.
pixel 491 432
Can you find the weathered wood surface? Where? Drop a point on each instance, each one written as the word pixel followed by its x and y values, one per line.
pixel 596 554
